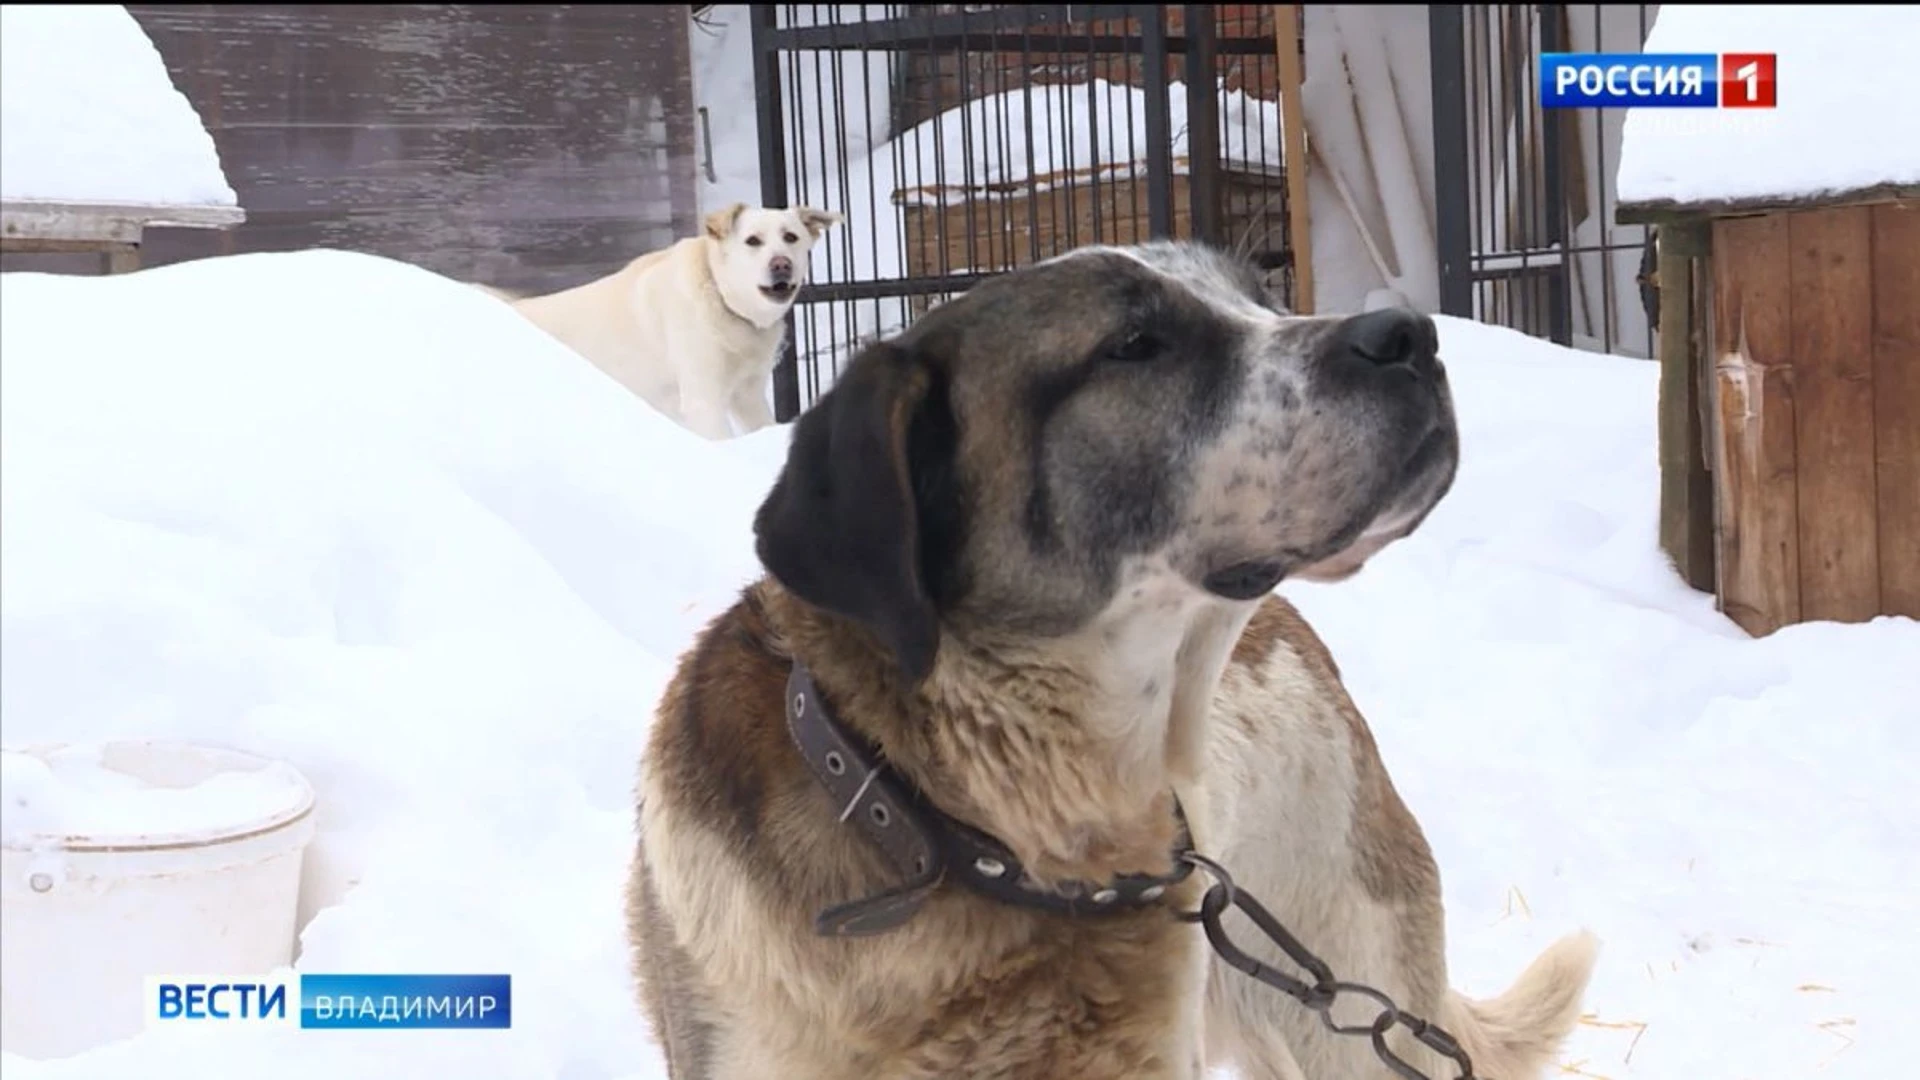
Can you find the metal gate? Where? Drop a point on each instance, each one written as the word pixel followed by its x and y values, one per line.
pixel 1525 197
pixel 962 140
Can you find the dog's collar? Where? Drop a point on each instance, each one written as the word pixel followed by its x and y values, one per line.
pixel 926 846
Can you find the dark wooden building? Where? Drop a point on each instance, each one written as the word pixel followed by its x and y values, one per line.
pixel 1790 402
pixel 527 146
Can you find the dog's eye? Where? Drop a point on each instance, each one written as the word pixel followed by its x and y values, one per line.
pixel 754 241
pixel 791 239
pixel 1136 348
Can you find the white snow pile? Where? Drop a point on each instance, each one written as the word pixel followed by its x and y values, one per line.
pixel 344 513
pixel 88 113
pixel 89 793
pixel 1844 120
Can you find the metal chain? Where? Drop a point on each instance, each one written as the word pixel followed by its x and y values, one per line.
pixel 1324 991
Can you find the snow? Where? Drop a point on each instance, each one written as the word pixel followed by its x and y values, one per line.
pixel 84 793
pixel 1842 123
pixel 88 113
pixel 443 567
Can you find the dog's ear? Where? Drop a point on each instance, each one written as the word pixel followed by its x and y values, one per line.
pixel 818 221
pixel 842 527
pixel 719 224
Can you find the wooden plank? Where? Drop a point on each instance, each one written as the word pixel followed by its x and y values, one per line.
pixel 1896 393
pixel 108 222
pixel 1755 485
pixel 1686 515
pixel 1832 279
pixel 42 246
pixel 1666 211
pixel 682 141
pixel 26 225
pixel 1293 141
pixel 1694 242
pixel 1702 563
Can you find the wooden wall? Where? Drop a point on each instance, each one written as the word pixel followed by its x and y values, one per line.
pixel 1005 229
pixel 1816 353
pixel 528 146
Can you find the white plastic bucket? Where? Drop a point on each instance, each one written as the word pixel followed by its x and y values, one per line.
pixel 91 904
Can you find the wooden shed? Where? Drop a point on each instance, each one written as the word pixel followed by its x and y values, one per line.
pixel 1789 330
pixel 530 146
pixel 1790 403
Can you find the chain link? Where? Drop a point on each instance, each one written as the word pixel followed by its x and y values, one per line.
pixel 1324 991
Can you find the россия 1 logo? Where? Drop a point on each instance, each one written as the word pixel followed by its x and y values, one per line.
pixel 1658 80
pixel 334 1001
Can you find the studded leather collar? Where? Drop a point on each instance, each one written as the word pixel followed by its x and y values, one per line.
pixel 925 846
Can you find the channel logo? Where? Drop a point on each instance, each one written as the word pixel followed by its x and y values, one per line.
pixel 1658 80
pixel 357 1002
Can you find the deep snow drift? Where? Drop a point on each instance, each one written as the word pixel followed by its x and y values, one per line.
pixel 341 511
pixel 88 113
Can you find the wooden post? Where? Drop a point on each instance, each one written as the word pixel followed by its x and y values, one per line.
pixel 1293 136
pixel 677 101
pixel 1754 473
pixel 1832 341
pixel 1686 491
pixel 1896 393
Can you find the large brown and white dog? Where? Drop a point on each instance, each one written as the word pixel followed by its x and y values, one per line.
pixel 695 328
pixel 1026 550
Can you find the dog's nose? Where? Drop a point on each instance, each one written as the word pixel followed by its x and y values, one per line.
pixel 780 267
pixel 1392 336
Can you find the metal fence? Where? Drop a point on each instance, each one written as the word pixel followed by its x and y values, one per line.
pixel 1525 197
pixel 964 140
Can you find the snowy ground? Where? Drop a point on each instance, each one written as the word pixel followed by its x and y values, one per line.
pixel 443 567
pixel 88 113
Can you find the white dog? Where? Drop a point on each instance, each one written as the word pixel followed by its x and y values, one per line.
pixel 695 329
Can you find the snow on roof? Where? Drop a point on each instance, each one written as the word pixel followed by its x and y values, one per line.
pixel 89 114
pixel 1035 138
pixel 1845 121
